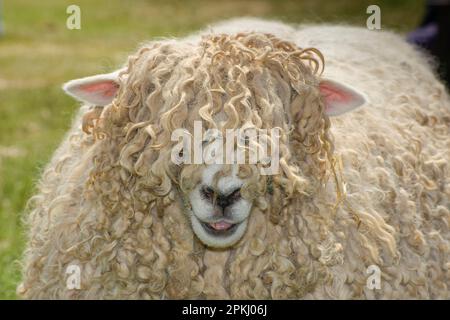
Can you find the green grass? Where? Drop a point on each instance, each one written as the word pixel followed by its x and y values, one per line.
pixel 38 53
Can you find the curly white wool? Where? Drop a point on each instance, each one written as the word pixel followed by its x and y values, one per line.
pixel 394 211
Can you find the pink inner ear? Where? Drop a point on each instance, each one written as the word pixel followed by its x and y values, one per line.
pixel 106 88
pixel 333 94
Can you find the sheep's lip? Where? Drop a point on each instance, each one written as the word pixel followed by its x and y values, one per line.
pixel 220 228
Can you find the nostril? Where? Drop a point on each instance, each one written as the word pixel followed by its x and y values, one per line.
pixel 236 194
pixel 207 192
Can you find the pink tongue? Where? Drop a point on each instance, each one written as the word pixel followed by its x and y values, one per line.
pixel 222 225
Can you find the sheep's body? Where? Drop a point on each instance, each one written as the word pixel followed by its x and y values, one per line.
pixel 394 153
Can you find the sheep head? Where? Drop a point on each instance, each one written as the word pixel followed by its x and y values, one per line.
pixel 226 82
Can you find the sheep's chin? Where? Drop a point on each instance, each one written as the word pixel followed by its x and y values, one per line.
pixel 218 241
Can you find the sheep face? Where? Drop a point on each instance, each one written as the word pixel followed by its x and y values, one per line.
pixel 219 213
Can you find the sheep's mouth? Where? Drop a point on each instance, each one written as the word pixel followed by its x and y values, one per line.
pixel 220 228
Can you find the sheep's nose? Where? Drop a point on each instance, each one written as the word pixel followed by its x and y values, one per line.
pixel 220 199
pixel 223 201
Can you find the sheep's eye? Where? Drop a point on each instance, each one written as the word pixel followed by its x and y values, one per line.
pixel 207 192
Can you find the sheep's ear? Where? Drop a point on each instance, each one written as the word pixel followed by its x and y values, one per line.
pixel 96 90
pixel 339 98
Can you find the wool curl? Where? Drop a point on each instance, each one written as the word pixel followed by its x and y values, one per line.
pixel 119 216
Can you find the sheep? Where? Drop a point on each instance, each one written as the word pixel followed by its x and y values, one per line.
pixel 363 185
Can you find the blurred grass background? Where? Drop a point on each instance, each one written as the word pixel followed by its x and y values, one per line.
pixel 38 53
